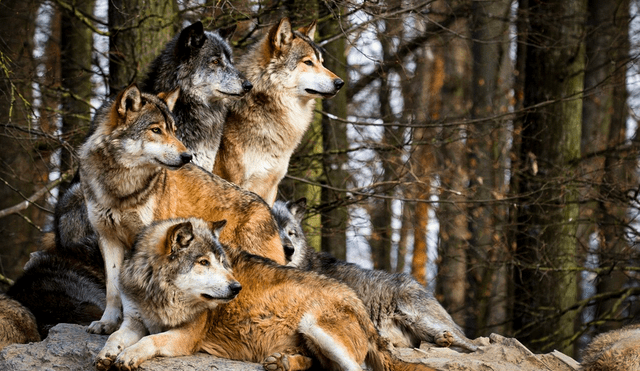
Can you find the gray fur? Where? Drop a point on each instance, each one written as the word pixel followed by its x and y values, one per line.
pixel 187 62
pixel 205 88
pixel 148 279
pixel 403 310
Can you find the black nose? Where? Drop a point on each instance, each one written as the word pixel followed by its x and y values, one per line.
pixel 186 157
pixel 338 83
pixel 288 251
pixel 246 86
pixel 235 288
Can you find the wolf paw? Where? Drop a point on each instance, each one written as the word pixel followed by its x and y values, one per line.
pixel 102 328
pixel 444 338
pixel 103 363
pixel 276 362
pixel 126 363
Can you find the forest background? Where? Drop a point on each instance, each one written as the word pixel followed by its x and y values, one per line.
pixel 487 147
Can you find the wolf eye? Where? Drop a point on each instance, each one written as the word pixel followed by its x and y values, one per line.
pixel 292 233
pixel 156 131
pixel 204 262
pixel 215 61
pixel 308 63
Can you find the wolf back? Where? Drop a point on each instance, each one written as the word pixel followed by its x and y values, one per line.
pixel 195 295
pixel 403 310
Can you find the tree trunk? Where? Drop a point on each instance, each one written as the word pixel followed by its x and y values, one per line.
pixel 550 145
pixel 334 213
pixel 619 177
pixel 76 46
pixel 139 31
pixel 23 168
pixel 483 161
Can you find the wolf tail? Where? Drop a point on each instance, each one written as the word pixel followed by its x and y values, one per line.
pixel 379 358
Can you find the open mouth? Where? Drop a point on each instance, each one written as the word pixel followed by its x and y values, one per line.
pixel 315 92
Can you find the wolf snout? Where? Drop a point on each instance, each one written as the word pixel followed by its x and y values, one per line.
pixel 338 83
pixel 186 157
pixel 247 86
pixel 235 288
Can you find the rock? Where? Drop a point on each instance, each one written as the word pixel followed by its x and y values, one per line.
pixel 70 348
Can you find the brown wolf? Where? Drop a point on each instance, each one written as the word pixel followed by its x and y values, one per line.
pixel 134 170
pixel 193 294
pixel 263 129
pixel 17 324
pixel 617 350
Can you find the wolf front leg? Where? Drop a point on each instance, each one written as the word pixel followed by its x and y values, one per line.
pixel 180 341
pixel 131 331
pixel 113 255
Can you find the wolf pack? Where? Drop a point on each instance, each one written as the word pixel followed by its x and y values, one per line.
pixel 171 238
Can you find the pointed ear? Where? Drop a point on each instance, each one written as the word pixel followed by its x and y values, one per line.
pixel 227 32
pixel 170 98
pixel 298 208
pixel 281 35
pixel 192 37
pixel 179 236
pixel 309 31
pixel 216 227
pixel 130 99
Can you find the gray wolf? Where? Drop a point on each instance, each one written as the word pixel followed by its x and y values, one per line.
pixel 200 63
pixel 134 170
pixel 63 285
pixel 264 128
pixel 617 350
pixel 191 293
pixel 17 324
pixel 402 310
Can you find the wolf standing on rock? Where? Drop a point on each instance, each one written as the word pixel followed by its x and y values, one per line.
pixel 134 170
pixel 402 310
pixel 263 129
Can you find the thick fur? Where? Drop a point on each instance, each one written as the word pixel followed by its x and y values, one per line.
pixel 132 170
pixel 263 129
pixel 179 286
pixel 63 286
pixel 17 324
pixel 617 350
pixel 200 63
pixel 402 310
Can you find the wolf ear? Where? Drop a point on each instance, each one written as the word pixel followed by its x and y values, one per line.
pixel 179 236
pixel 130 99
pixel 227 32
pixel 192 37
pixel 281 35
pixel 216 227
pixel 309 31
pixel 170 98
pixel 298 208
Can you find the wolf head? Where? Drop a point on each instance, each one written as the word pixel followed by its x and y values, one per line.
pixel 137 130
pixel 294 60
pixel 200 63
pixel 178 267
pixel 288 215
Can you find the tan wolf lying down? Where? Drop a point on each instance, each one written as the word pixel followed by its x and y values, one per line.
pixel 192 294
pixel 134 170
